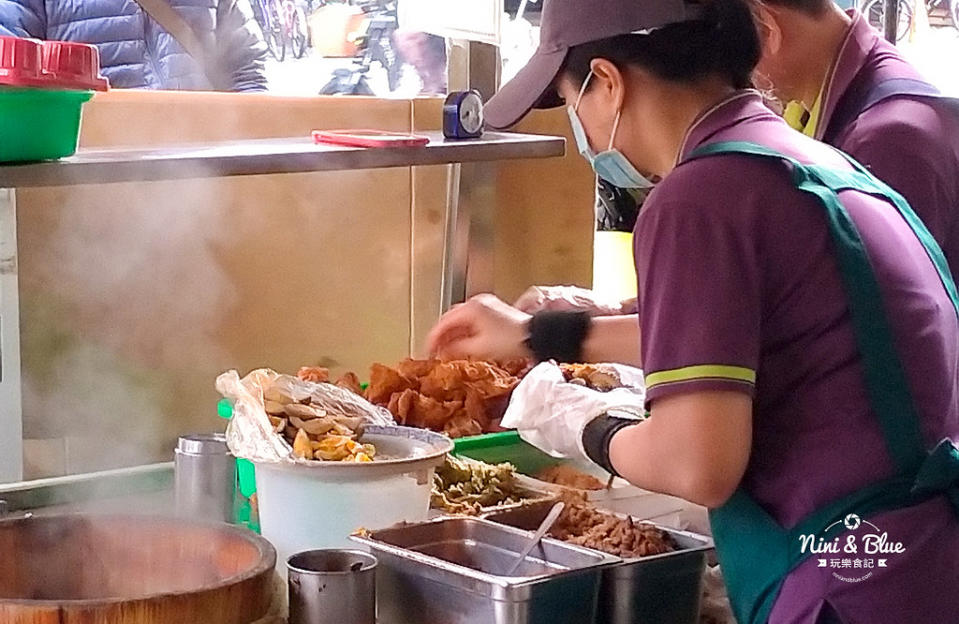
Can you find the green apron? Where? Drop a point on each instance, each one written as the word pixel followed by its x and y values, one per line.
pixel 756 553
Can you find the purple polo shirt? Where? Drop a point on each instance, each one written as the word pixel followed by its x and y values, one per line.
pixel 739 290
pixel 910 143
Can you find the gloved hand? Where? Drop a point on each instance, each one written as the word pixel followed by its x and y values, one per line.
pixel 562 298
pixel 551 413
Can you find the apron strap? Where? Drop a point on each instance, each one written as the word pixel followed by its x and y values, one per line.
pixel 757 552
pixel 885 377
pixel 873 186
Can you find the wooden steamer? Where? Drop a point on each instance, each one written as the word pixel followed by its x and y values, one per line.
pixel 91 569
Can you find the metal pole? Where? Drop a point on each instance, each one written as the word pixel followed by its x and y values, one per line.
pixel 890 14
pixel 470 211
pixel 11 424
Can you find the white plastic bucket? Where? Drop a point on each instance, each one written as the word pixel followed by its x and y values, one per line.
pixel 318 505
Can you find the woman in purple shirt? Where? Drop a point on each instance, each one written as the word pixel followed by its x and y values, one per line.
pixel 800 329
pixel 856 91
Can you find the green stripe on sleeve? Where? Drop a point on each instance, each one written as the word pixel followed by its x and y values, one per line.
pixel 703 371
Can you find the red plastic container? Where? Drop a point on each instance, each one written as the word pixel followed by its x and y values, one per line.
pixel 54 65
pixel 43 86
pixel 21 62
pixel 73 65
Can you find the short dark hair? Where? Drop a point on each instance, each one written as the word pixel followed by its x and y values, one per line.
pixel 810 7
pixel 723 42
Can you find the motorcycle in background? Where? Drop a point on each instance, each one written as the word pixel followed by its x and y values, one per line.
pixel 374 43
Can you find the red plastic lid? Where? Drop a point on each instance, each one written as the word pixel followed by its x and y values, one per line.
pixel 73 65
pixel 20 62
pixel 50 64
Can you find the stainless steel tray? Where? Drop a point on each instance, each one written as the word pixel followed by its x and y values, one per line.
pixel 663 588
pixel 450 570
pixel 531 490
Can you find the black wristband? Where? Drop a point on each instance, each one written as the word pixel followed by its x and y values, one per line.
pixel 558 335
pixel 597 435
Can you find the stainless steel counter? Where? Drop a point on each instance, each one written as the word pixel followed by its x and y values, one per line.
pixel 251 157
pixel 139 490
pixel 268 156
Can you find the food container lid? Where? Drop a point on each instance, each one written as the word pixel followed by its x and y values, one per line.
pixel 73 65
pixel 21 62
pixel 203 444
pixel 50 65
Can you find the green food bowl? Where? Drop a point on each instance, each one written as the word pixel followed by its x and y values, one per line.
pixel 39 124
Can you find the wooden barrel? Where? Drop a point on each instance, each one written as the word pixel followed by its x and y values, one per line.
pixel 93 569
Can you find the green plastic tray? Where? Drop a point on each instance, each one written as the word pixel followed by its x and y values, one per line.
pixel 506 446
pixel 246 472
pixel 39 124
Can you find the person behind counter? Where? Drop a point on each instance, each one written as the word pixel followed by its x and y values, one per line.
pixel 800 328
pixel 854 90
pixel 850 88
pixel 139 53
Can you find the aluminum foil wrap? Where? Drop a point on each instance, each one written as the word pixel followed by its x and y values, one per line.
pixel 250 434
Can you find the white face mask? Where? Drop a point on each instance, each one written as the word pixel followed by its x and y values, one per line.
pixel 610 165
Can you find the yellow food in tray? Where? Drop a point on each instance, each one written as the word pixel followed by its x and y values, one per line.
pixel 314 433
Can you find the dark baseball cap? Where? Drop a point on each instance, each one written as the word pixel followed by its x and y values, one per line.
pixel 568 23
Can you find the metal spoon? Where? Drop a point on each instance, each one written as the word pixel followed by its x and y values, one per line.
pixel 544 528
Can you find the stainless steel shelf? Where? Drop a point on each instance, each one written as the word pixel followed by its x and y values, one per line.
pixel 267 156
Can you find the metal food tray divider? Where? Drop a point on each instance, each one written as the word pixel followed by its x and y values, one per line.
pixel 447 570
pixel 658 588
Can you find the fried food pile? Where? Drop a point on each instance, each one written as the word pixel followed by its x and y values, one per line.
pixel 459 398
pixel 582 524
pixel 568 476
pixel 465 486
pixel 313 432
pixel 318 374
pixel 594 376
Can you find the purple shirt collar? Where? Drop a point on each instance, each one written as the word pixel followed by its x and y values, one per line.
pixel 862 45
pixel 740 107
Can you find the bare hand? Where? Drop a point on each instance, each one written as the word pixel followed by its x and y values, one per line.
pixel 484 327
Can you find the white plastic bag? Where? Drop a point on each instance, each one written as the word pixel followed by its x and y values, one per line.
pixel 551 413
pixel 250 434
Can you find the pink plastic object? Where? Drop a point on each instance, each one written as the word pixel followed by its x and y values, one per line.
pixel 50 65
pixel 73 65
pixel 21 63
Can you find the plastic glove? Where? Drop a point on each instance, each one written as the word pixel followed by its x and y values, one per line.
pixel 539 298
pixel 551 413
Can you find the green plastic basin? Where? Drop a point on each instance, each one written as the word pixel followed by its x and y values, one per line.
pixel 505 446
pixel 39 124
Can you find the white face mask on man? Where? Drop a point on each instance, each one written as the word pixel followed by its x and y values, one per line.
pixel 611 165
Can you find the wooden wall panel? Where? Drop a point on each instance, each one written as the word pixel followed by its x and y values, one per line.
pixel 135 296
pixel 543 219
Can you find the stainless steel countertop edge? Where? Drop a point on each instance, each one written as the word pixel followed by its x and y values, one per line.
pixel 267 156
pixel 84 488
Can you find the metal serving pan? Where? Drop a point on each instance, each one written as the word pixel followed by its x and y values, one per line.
pixel 663 588
pixel 451 570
